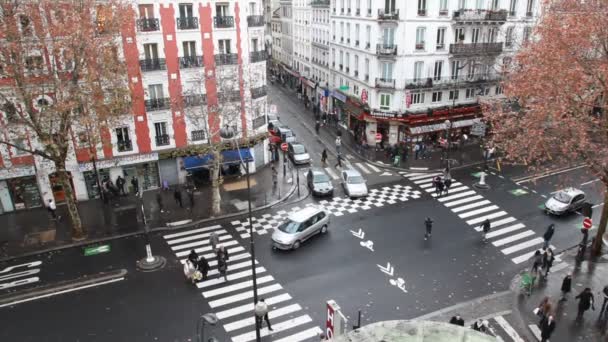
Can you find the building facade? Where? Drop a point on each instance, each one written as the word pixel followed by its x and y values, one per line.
pixel 320 38
pixel 184 60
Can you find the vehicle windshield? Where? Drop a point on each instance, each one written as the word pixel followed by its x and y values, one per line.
pixel 562 197
pixel 321 178
pixel 289 227
pixel 287 133
pixel 272 117
pixel 298 149
pixel 355 180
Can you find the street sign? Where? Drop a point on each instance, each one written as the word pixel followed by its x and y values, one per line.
pixel 478 129
pixel 378 138
pixel 344 87
pixel 587 223
pixel 88 251
pixel 284 147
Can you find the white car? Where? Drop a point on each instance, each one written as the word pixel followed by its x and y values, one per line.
pixel 299 227
pixel 297 153
pixel 564 201
pixel 354 184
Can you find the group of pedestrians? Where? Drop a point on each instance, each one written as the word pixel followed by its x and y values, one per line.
pixel 177 196
pixel 481 325
pixel 442 184
pixel 197 268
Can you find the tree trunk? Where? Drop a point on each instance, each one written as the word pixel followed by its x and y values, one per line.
pixel 601 228
pixel 216 180
pixel 76 223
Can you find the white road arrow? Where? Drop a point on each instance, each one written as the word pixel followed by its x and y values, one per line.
pixel 399 283
pixel 360 234
pixel 390 270
pixel 369 244
pixel 386 174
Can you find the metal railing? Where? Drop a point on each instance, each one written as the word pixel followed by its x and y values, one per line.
pixel 387 14
pixel 223 21
pixel 162 140
pixel 255 20
pixel 258 92
pixel 472 49
pixel 158 104
pixel 190 62
pixel 257 56
pixel 386 49
pixel 152 64
pixel 449 81
pixel 422 12
pixel 321 3
pixel 385 83
pixel 124 145
pixel 148 25
pixel 226 58
pixel 230 96
pixel 194 100
pixel 479 15
pixel 187 23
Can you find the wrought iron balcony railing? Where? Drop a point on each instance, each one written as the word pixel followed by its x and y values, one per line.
pixel 187 23
pixel 226 58
pixel 473 49
pixel 223 21
pixel 191 62
pixel 258 92
pixel 386 49
pixel 124 145
pixel 480 15
pixel 194 100
pixel 152 64
pixel 255 20
pixel 257 56
pixel 449 81
pixel 387 83
pixel 388 14
pixel 148 25
pixel 158 104
pixel 162 140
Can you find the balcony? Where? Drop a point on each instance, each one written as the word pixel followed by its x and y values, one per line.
pixel 358 11
pixel 321 3
pixel 148 25
pixel 474 49
pixel 223 22
pixel 422 12
pixel 347 69
pixel 341 39
pixel 387 14
pixel 162 140
pixel 226 59
pixel 195 100
pixel 348 11
pixel 255 20
pixel 440 46
pixel 190 62
pixel 258 92
pixel 367 46
pixel 386 50
pixel 476 16
pixel 443 12
pixel 158 104
pixel 366 77
pixel 230 96
pixel 356 43
pixel 257 56
pixel 529 14
pixel 341 67
pixel 347 40
pixel 420 46
pixel 124 145
pixel 152 64
pixel 356 73
pixel 187 23
pixel 369 12
pixel 385 83
pixel 512 14
pixel 450 81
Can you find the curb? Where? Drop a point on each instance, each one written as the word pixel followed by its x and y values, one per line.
pixel 49 290
pixel 156 229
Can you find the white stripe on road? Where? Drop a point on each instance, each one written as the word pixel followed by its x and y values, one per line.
pixel 200 243
pixel 249 306
pixel 286 310
pixel 232 259
pixel 332 173
pixel 213 255
pixel 462 188
pixel 204 249
pixel 502 221
pixel 508 329
pixel 559 267
pixel 234 276
pixel 478 211
pixel 589 182
pixel 235 287
pixel 233 267
pixel 505 230
pixel 195 237
pixel 426 175
pixel 522 245
pixel 470 206
pixel 512 238
pixel 188 232
pixel 486 217
pixel 459 195
pixel 244 295
pixel 425 186
pixel 302 335
pixel 424 181
pixel 464 200
pixel 363 168
pixel 528 255
pixel 374 168
pixel 285 325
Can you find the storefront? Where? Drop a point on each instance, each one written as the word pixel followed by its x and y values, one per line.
pixel 308 88
pixel 290 77
pixel 338 101
pixel 91 181
pixel 19 189
pixel 427 128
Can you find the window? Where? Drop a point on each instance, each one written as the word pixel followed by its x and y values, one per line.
pixel 20 146
pixel 341 32
pixel 224 46
pixel 197 135
pixel 492 33
pixel 347 61
pixel 440 38
pixel 417 98
pixel 10 111
pixel 529 7
pixel 459 34
pixel 421 7
pixel 348 32
pixel 437 70
pixel 455 69
pixel 368 35
pixel 509 36
pixel 462 4
pixel 389 6
pixel 358 7
pixel 475 35
pixel 146 11
pixel 470 93
pixel 527 33
pixel 512 7
pixel 443 7
pixel 499 90
pixel 388 36
pixel 151 51
pixel 185 10
pixel 356 65
pixel 479 4
pixel 26 25
pixel 123 141
pixel 366 69
pixel 33 63
pixel 494 5
pixel 418 66
pixel 155 91
pixel 385 101
pixel 189 48
pixel 369 7
pixel 471 70
pixel 162 138
pixel 221 10
pixel 387 71
pixel 420 33
pixel 453 95
pixel 437 96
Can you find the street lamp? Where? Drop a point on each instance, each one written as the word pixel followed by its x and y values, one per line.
pixel 448 126
pixel 209 318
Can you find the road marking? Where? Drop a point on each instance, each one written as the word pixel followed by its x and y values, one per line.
pixel 427 185
pixel 286 310
pixel 233 267
pixel 200 243
pixel 195 237
pixel 501 222
pixel 278 327
pixel 488 217
pixel 559 267
pixel 232 258
pixel 302 335
pixel 374 168
pixel 332 173
pixel 591 181
pixel 204 249
pixel 459 189
pixel 235 287
pixel 508 329
pixel 419 168
pixel 478 211
pixel 505 230
pixel 244 295
pixel 363 168
pixel 249 306
pixel 426 175
pixel 525 180
pixel 522 245
pixel 213 255
pixel 535 331
pixel 199 230
pixel 597 205
pixel 512 238
pixel 459 195
pixel 470 206
pixel 464 200
pixel 234 276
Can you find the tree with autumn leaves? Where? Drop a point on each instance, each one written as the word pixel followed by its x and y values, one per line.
pixel 62 80
pixel 559 83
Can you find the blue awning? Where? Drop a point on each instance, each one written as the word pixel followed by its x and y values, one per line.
pixel 228 158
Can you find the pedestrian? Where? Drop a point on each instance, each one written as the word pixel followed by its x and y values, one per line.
pixel 120 183
pixel 416 151
pixel 457 320
pixel 214 240
pixel 547 325
pixel 275 176
pixel 480 325
pixel 338 144
pixel 317 126
pixel 436 182
pixel 261 313
pixel 605 293
pixel 222 262
pixel 548 259
pixel 428 225
pixel 193 257
pixel 537 262
pixel 159 201
pixel 178 197
pixel 543 309
pixel 52 208
pixel 447 183
pixel 440 187
pixel 585 302
pixel 485 228
pixel 548 235
pixel 190 193
pixel 324 156
pixel 135 184
pixel 339 163
pixel 203 267
pixel 566 287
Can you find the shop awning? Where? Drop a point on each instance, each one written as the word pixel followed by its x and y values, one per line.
pixel 441 126
pixel 229 157
pixel 293 73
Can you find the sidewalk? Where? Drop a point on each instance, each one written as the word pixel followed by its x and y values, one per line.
pixel 586 274
pixel 31 231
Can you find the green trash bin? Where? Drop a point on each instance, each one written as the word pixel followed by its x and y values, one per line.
pixel 397 160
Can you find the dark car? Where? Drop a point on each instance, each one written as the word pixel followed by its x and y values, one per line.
pixel 319 182
pixel 297 153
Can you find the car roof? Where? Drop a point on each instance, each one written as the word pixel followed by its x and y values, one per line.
pixel 572 191
pixel 296 143
pixel 318 171
pixel 352 172
pixel 304 214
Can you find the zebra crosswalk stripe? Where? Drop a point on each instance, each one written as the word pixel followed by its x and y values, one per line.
pixel 374 168
pixel 363 168
pixel 331 173
pixel 276 313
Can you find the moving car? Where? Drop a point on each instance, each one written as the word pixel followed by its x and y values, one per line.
pixel 319 183
pixel 354 184
pixel 286 134
pixel 297 153
pixel 566 200
pixel 299 227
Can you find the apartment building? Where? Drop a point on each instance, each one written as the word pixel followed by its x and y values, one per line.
pixel 187 63
pixel 319 48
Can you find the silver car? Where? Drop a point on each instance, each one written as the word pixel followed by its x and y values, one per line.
pixel 354 184
pixel 297 153
pixel 319 183
pixel 564 201
pixel 299 227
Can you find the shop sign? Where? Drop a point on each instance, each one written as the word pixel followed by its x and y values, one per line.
pixel 338 96
pixel 408 99
pixel 120 161
pixel 478 129
pixel 16 172
pixel 364 96
pixel 384 115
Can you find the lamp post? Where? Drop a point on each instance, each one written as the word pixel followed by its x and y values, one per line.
pixel 448 126
pixel 150 262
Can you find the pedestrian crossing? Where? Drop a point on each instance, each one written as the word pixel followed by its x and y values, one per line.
pixel 500 327
pixel 507 233
pixel 232 301
pixel 363 167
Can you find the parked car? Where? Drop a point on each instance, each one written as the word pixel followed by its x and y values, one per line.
pixel 354 184
pixel 297 153
pixel 566 200
pixel 319 182
pixel 286 134
pixel 274 127
pixel 299 227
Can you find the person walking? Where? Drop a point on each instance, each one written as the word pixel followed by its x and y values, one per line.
pixel 543 309
pixel 485 228
pixel 135 185
pixel 428 225
pixel 261 313
pixel 338 144
pixel 548 259
pixel 548 235
pixel 566 287
pixel 416 151
pixel 120 183
pixel 177 195
pixel 190 193
pixel 214 240
pixel 457 320
pixel 52 208
pixel 440 187
pixel 537 262
pixel 324 156
pixel 203 267
pixel 193 257
pixel 317 126
pixel 585 301
pixel 339 163
pixel 447 183
pixel 605 294
pixel 159 201
pixel 436 182
pixel 222 262
pixel 547 325
pixel 275 177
